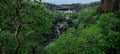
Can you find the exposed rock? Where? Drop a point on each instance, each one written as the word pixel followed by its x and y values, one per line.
pixel 60 27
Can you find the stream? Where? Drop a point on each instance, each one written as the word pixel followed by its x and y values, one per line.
pixel 59 27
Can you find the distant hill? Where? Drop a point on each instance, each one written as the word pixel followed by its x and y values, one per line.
pixel 75 6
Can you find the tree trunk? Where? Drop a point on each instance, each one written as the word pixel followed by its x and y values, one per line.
pixel 17 48
pixel 33 49
pixel 117 5
pixel 118 8
pixel 110 5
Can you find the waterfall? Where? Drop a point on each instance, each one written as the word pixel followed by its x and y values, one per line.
pixel 60 27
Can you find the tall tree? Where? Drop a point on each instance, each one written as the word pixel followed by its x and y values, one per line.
pixel 110 5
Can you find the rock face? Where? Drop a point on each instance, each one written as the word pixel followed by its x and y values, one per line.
pixel 59 27
pixel 110 5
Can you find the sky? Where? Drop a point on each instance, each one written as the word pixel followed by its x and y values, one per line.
pixel 68 1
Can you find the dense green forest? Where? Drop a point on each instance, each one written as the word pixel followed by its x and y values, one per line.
pixel 33 27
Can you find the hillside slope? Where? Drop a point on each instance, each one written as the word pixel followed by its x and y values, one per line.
pixel 94 35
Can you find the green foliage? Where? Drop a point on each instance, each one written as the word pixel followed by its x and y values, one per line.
pixel 85 42
pixel 87 16
pixel 95 33
pixel 31 47
pixel 7 42
pixel 101 37
pixel 87 13
pixel 110 29
pixel 37 22
pixel 63 45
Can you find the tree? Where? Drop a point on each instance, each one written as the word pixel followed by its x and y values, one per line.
pixel 110 5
